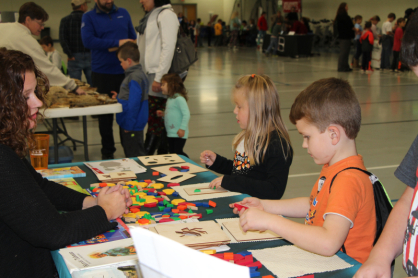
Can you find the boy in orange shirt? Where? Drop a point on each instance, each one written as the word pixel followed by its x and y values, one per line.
pixel 218 33
pixel 341 217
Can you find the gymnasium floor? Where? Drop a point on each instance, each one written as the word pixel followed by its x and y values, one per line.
pixel 388 102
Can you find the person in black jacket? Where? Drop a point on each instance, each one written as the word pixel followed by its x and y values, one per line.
pixel 263 151
pixel 30 224
pixel 345 28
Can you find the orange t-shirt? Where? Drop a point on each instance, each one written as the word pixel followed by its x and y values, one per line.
pixel 352 198
pixel 218 29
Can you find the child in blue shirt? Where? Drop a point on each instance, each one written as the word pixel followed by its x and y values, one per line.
pixel 133 95
pixel 177 114
pixel 359 31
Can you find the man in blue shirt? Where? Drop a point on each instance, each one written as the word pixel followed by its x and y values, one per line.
pixel 103 30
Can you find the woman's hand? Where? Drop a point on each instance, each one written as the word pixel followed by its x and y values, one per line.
pixel 156 86
pixel 208 157
pixel 216 183
pixel 114 201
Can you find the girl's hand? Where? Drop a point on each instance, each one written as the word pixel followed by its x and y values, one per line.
pixel 250 202
pixel 160 113
pixel 181 133
pixel 254 219
pixel 114 94
pixel 216 183
pixel 207 157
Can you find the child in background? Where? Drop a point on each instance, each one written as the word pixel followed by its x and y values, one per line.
pixel 359 31
pixel 133 95
pixel 177 114
pixel 53 55
pixel 341 218
pixel 367 41
pixel 399 230
pixel 274 40
pixel 387 41
pixel 263 153
pixel 397 43
pixel 218 33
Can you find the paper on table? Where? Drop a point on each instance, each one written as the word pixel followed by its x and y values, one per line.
pixel 192 168
pixel 187 197
pixel 291 261
pixel 160 159
pixel 168 258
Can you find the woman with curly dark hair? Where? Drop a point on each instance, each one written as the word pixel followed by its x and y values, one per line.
pixel 30 224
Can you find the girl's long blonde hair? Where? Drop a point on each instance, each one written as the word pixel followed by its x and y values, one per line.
pixel 264 117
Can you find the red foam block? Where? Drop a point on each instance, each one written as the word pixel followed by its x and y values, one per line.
pixel 257 264
pixel 240 207
pixel 173 184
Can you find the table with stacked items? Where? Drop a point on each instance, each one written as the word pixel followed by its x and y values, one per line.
pixel 221 210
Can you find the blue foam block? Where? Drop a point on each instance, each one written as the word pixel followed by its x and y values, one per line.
pixel 175 194
pixel 253 268
pixel 245 253
pixel 184 170
pixel 162 175
pixel 141 181
pixel 206 205
pixel 167 209
pixel 255 274
pixel 161 204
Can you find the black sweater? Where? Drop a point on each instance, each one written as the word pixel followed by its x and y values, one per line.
pixel 30 225
pixel 345 27
pixel 266 180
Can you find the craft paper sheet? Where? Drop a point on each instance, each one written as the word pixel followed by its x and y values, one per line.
pixel 187 197
pixel 163 256
pixel 291 261
pixel 236 220
pixel 150 160
pixel 192 168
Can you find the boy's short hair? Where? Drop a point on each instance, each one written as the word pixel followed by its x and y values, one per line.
pixel 129 50
pixel 47 40
pixel 368 25
pixel 33 11
pixel 358 17
pixel 401 19
pixel 328 101
pixel 409 47
pixel 376 17
pixel 392 15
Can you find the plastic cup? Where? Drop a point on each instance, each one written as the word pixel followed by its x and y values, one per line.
pixel 39 155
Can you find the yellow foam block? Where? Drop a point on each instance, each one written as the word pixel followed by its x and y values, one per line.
pixel 209 251
pixel 150 201
pixel 156 185
pixel 132 215
pixel 168 191
pixel 142 184
pixel 140 194
pixel 141 214
pixel 125 186
pixel 177 201
pixel 131 182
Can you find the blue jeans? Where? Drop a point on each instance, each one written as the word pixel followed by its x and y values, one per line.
pixel 261 35
pixel 81 63
pixel 273 45
pixel 386 53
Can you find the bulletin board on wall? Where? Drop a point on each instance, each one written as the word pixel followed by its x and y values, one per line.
pixel 288 4
pixel 189 10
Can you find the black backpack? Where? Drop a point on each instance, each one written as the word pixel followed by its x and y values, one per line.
pixel 185 53
pixel 383 205
pixel 366 46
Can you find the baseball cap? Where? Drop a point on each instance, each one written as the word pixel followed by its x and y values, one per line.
pixel 79 2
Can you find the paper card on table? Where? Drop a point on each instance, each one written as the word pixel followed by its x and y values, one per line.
pixel 117 165
pixel 192 168
pixel 163 256
pixel 160 159
pixel 236 230
pixel 193 234
pixel 176 177
pixel 203 190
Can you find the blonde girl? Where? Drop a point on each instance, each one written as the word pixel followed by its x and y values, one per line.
pixel 263 153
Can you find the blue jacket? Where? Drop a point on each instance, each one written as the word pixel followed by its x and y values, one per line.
pixel 177 116
pixel 101 31
pixel 133 95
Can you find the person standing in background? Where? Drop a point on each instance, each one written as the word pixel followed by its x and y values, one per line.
pixel 387 42
pixel 103 29
pixel 79 57
pixel 376 30
pixel 218 33
pixel 262 28
pixel 345 28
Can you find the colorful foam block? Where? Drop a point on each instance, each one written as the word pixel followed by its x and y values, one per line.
pixel 255 264
pixel 157 185
pixel 212 204
pixel 143 221
pixel 173 169
pixel 206 205
pixel 209 251
pixel 171 184
pixel 209 211
pixel 181 207
pixel 175 210
pixel 184 170
pixel 271 276
pixel 176 194
pixel 161 208
pixel 162 175
pixel 177 201
pixel 161 193
pixel 185 167
pixel 197 190
pixel 155 173
pixel 229 256
pixel 134 210
pixel 168 191
pixel 255 274
pixel 240 207
pixel 168 209
pixel 163 220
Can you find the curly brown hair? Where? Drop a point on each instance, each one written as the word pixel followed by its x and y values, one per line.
pixel 14 111
pixel 175 85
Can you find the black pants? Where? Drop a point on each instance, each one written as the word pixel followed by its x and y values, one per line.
pixel 345 46
pixel 176 145
pixel 395 61
pixel 367 57
pixel 104 84
pixel 132 143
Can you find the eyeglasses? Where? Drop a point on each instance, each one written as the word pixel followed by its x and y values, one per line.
pixel 40 23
